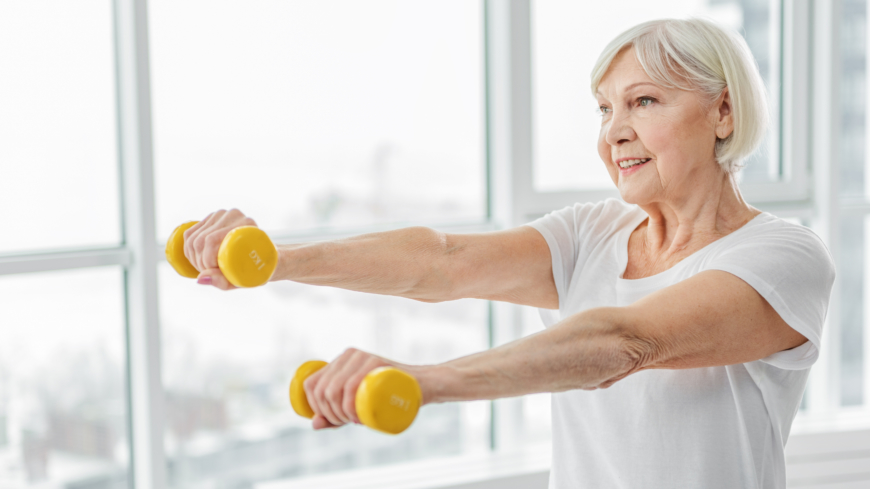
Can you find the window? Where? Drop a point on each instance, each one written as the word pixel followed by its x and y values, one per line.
pixel 310 117
pixel 853 243
pixel 318 115
pixel 63 409
pixel 59 187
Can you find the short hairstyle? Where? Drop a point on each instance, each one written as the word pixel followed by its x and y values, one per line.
pixel 709 58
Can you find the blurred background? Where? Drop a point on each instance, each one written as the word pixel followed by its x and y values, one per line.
pixel 323 119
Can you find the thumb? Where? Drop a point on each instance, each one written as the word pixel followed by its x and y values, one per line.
pixel 213 276
pixel 319 423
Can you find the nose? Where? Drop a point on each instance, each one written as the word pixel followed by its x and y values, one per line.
pixel 619 129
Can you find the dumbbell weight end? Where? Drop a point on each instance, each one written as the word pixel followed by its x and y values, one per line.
pixel 298 399
pixel 388 400
pixel 175 252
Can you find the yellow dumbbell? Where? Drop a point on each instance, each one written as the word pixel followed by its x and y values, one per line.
pixel 247 257
pixel 387 399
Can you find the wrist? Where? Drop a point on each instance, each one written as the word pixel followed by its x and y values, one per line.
pixel 288 257
pixel 437 382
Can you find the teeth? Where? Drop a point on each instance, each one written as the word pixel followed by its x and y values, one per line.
pixel 628 163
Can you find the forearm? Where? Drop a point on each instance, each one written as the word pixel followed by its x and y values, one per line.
pixel 589 350
pixel 410 262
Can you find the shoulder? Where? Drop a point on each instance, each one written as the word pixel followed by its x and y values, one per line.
pixel 587 214
pixel 770 242
pixel 589 222
pixel 767 230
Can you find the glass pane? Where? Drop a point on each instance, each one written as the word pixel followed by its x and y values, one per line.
pixel 854 183
pixel 318 113
pixel 228 359
pixel 567 38
pixel 853 314
pixel 854 180
pixel 63 410
pixel 58 165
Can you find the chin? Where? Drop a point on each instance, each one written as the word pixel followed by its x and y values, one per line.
pixel 635 196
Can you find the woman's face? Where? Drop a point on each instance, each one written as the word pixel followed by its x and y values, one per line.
pixel 672 132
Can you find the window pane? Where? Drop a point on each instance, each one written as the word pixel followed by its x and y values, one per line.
pixel 228 359
pixel 318 113
pixel 58 166
pixel 853 102
pixel 62 383
pixel 853 184
pixel 853 297
pixel 567 38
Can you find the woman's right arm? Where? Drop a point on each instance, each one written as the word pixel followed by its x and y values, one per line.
pixel 430 266
pixel 417 263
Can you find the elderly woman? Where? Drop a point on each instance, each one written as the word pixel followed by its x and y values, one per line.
pixel 681 321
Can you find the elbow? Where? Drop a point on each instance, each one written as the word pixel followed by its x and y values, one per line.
pixel 631 357
pixel 434 281
pixel 622 350
pixel 633 353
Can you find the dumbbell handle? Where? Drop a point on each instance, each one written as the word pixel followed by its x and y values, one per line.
pixel 387 400
pixel 247 257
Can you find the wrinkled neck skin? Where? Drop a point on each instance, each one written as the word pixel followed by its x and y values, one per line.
pixel 707 208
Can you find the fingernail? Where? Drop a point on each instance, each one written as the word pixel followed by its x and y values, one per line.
pixel 206 280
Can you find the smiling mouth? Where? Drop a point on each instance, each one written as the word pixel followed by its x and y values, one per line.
pixel 630 163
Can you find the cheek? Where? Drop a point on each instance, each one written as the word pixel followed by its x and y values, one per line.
pixel 690 133
pixel 658 138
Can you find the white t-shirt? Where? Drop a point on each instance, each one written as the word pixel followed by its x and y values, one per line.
pixel 715 427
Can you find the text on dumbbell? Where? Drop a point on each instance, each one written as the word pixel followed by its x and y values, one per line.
pixel 399 402
pixel 257 261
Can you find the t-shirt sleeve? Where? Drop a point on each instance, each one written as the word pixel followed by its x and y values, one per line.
pixel 572 231
pixel 792 269
pixel 560 230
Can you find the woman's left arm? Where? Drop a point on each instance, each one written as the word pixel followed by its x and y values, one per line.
pixel 711 319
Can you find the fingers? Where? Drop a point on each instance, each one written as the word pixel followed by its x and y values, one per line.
pixel 193 232
pixel 314 393
pixel 214 277
pixel 331 391
pixel 208 245
pixel 203 240
pixel 319 423
pixel 352 385
pixel 328 390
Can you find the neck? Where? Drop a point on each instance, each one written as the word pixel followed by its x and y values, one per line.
pixel 703 215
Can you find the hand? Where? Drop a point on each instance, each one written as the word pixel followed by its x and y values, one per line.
pixel 331 391
pixel 203 240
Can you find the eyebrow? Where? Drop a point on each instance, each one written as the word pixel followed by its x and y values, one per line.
pixel 633 85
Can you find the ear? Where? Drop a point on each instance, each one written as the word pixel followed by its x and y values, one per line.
pixel 724 115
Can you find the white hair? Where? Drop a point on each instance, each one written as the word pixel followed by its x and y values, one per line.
pixel 698 52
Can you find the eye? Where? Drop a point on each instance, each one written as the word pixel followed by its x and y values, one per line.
pixel 645 101
pixel 602 110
